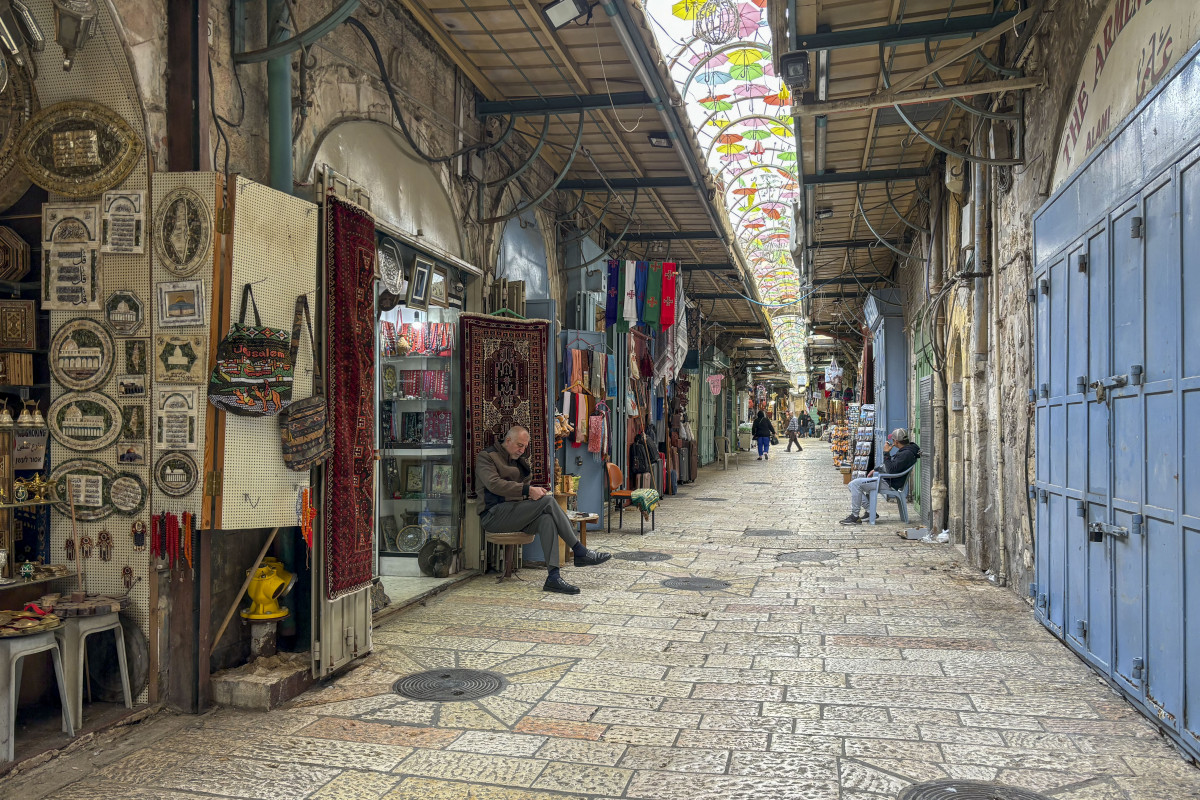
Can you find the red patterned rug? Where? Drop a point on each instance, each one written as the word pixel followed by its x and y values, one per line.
pixel 350 374
pixel 504 362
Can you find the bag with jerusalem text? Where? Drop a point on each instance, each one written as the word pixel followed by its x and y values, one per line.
pixel 254 365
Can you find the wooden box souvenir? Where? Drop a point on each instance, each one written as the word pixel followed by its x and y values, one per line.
pixel 18 324
pixel 16 369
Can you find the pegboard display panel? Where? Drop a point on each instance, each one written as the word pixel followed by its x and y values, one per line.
pixel 275 249
pixel 101 74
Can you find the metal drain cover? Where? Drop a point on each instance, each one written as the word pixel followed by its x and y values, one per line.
pixel 643 555
pixel 807 555
pixel 767 532
pixel 449 685
pixel 711 499
pixel 696 584
pixel 950 789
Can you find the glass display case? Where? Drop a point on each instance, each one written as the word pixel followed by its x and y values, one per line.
pixel 419 479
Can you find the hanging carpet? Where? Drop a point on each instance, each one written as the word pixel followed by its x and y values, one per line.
pixel 505 361
pixel 350 334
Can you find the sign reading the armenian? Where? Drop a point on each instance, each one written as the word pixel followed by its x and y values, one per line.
pixel 1135 46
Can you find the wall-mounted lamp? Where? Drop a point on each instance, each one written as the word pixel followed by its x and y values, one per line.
pixel 562 12
pixel 659 139
pixel 75 23
pixel 824 213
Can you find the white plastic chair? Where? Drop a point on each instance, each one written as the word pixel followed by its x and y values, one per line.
pixel 72 639
pixel 13 651
pixel 899 495
pixel 724 450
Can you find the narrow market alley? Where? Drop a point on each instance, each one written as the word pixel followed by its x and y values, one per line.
pixel 840 663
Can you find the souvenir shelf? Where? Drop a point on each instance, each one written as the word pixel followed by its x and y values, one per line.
pixel 420 430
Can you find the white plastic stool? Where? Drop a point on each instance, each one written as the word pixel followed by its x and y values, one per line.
pixel 12 653
pixel 72 638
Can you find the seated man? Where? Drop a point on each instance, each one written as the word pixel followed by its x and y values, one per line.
pixel 861 488
pixel 508 503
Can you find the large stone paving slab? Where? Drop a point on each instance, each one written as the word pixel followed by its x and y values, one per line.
pixel 846 677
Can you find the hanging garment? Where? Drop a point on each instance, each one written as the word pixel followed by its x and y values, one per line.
pixel 641 279
pixel 630 307
pixel 667 305
pixel 580 419
pixel 599 371
pixel 613 293
pixel 654 294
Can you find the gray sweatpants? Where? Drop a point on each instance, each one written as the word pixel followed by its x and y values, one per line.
pixel 544 518
pixel 860 490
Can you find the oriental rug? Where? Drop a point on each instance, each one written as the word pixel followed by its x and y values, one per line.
pixel 350 371
pixel 504 361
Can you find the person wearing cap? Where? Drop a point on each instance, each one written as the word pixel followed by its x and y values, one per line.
pixel 904 456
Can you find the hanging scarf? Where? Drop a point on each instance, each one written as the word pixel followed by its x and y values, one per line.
pixel 613 295
pixel 667 307
pixel 654 287
pixel 630 308
pixel 580 418
pixel 641 277
pixel 599 370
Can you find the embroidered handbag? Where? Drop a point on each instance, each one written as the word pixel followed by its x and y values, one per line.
pixel 253 373
pixel 302 423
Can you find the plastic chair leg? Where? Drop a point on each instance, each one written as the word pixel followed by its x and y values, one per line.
pixel 874 501
pixel 8 709
pixel 119 635
pixel 68 727
pixel 903 503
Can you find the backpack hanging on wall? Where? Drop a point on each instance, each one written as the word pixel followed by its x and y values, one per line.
pixel 302 423
pixel 255 366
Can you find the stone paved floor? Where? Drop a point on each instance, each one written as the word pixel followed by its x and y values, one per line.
pixel 879 664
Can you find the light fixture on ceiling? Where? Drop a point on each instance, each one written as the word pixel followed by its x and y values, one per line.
pixel 824 213
pixel 562 12
pixel 75 23
pixel 660 139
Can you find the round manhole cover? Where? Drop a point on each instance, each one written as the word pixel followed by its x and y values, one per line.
pixel 767 532
pixel 950 789
pixel 696 584
pixel 643 555
pixel 449 685
pixel 806 555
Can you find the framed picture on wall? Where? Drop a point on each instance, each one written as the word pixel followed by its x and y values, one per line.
pixel 412 476
pixel 439 288
pixel 418 285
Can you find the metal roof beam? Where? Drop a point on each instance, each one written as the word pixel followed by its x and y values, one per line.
pixel 706 266
pixel 868 176
pixel 665 236
pixel 896 97
pixel 849 244
pixel 539 106
pixel 616 184
pixel 904 33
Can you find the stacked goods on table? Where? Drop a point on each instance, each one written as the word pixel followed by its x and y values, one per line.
pixel 26 623
pixel 864 434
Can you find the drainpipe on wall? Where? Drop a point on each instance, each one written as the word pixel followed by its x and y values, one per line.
pixel 997 398
pixel 279 100
pixel 978 210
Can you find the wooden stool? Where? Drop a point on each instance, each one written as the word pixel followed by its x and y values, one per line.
pixel 510 542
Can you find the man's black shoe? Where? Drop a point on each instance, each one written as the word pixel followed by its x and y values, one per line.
pixel 852 520
pixel 557 584
pixel 591 558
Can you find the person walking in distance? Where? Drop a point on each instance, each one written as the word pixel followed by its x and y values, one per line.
pixel 763 431
pixel 793 431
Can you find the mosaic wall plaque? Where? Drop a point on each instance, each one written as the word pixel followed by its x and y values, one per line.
pixel 84 420
pixel 18 102
pixel 14 255
pixel 70 257
pixel 131 387
pixel 181 303
pixel 18 324
pixel 127 494
pixel 175 418
pixel 136 353
pixel 90 479
pixel 175 474
pixel 182 231
pixel 133 423
pixel 131 454
pixel 78 149
pixel 124 312
pixel 123 222
pixel 391 267
pixel 179 359
pixel 81 354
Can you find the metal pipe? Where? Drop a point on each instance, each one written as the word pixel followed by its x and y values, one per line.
pixel 279 100
pixel 979 217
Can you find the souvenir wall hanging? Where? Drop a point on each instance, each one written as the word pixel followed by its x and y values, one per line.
pixel 136 353
pixel 18 102
pixel 81 354
pixel 133 423
pixel 90 480
pixel 123 222
pixel 175 474
pixel 181 303
pixel 127 493
pixel 418 287
pixel 439 288
pixel 84 420
pixel 14 255
pixel 78 148
pixel 18 324
pixel 70 257
pixel 131 387
pixel 131 453
pixel 254 364
pixel 123 311
pixel 175 419
pixel 182 231
pixel 391 267
pixel 179 359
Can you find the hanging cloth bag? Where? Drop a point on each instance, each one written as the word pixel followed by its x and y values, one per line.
pixel 255 365
pixel 302 423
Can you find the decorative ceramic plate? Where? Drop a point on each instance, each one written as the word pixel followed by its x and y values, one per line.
pixel 84 420
pixel 78 148
pixel 124 312
pixel 175 474
pixel 391 266
pixel 91 495
pixel 410 539
pixel 18 102
pixel 81 354
pixel 182 231
pixel 127 494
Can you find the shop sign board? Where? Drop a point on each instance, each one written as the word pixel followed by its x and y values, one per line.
pixel 1135 45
